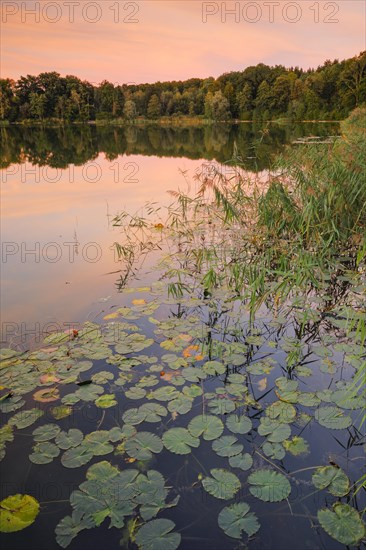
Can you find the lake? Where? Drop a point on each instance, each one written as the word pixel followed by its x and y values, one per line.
pixel 139 399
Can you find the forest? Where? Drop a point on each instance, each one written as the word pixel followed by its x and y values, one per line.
pixel 258 93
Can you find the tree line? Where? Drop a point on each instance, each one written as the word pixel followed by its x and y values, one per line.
pixel 258 93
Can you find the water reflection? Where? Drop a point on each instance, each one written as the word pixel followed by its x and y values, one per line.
pixel 61 146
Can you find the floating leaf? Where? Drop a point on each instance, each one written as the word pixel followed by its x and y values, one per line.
pixel 243 461
pixel 106 401
pixel 98 442
pixel 46 432
pixel 223 484
pixel 23 419
pixel 70 526
pixel 209 426
pixel 72 438
pixel 213 368
pixel 61 411
pixel 47 395
pixel 273 430
pixel 143 445
pixel 221 406
pixel 331 478
pixel 179 441
pixel 236 518
pixel 17 512
pixel 269 485
pixel 239 424
pixel 76 456
pixel 274 450
pixel 157 534
pixel 226 446
pixel 43 453
pixel 343 524
pixel 296 446
pixel 333 418
pixel 281 411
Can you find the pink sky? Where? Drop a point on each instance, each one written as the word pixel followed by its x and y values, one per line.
pixel 150 40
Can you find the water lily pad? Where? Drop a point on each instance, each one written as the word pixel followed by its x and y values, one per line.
pixel 46 432
pixel 23 419
pixel 236 518
pixel 70 526
pixel 227 445
pixel 143 445
pixel 181 405
pixel 269 485
pixel 106 401
pixel 296 446
pixel 223 484
pixel 164 393
pixel 209 426
pixel 67 440
pixel 331 478
pixel 76 456
pixel 281 411
pixel 98 442
pixel 273 430
pixel 47 395
pixel 179 441
pixel 61 411
pixel 244 461
pixel 17 512
pixel 333 418
pixel 156 534
pixel 213 368
pixel 343 524
pixel 273 450
pixel 221 406
pixel 239 424
pixel 43 453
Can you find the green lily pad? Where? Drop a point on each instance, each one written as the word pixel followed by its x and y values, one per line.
pixel 23 419
pixel 46 432
pixel 70 526
pixel 269 485
pixel 181 405
pixel 61 411
pixel 331 478
pixel 273 430
pixel 209 426
pixel 143 445
pixel 342 524
pixel 244 461
pixel 98 442
pixel 67 440
pixel 76 456
pixel 179 441
pixel 281 411
pixel 106 401
pixel 223 484
pixel 236 518
pixel 333 418
pixel 17 512
pixel 227 445
pixel 213 368
pixel 43 453
pixel 238 424
pixel 221 406
pixel 156 535
pixel 273 450
pixel 164 393
pixel 296 446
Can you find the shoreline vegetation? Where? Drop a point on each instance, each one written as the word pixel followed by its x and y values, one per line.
pixel 259 93
pixel 184 122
